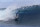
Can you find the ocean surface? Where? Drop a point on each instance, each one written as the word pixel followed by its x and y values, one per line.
pixel 13 25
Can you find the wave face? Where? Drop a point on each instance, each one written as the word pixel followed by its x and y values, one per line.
pixel 29 15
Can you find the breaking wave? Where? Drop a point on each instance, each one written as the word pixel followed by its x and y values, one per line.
pixel 23 14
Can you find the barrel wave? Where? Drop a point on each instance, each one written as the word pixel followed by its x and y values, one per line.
pixel 27 15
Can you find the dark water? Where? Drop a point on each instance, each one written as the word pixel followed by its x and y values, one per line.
pixel 12 25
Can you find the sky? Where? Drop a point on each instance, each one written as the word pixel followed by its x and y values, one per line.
pixel 6 3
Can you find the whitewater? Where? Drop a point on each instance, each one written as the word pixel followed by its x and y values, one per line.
pixel 9 13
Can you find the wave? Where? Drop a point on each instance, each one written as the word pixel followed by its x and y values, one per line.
pixel 8 13
pixel 23 15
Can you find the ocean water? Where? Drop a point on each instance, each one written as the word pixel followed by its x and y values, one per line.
pixel 2 24
pixel 25 19
pixel 27 23
pixel 15 25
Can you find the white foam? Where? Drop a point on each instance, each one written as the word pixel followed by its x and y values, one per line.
pixel 9 13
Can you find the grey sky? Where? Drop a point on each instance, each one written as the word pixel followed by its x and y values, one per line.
pixel 6 3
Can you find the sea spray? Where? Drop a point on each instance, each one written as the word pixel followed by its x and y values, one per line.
pixel 8 13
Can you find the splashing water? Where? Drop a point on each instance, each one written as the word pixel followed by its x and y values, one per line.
pixel 8 14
